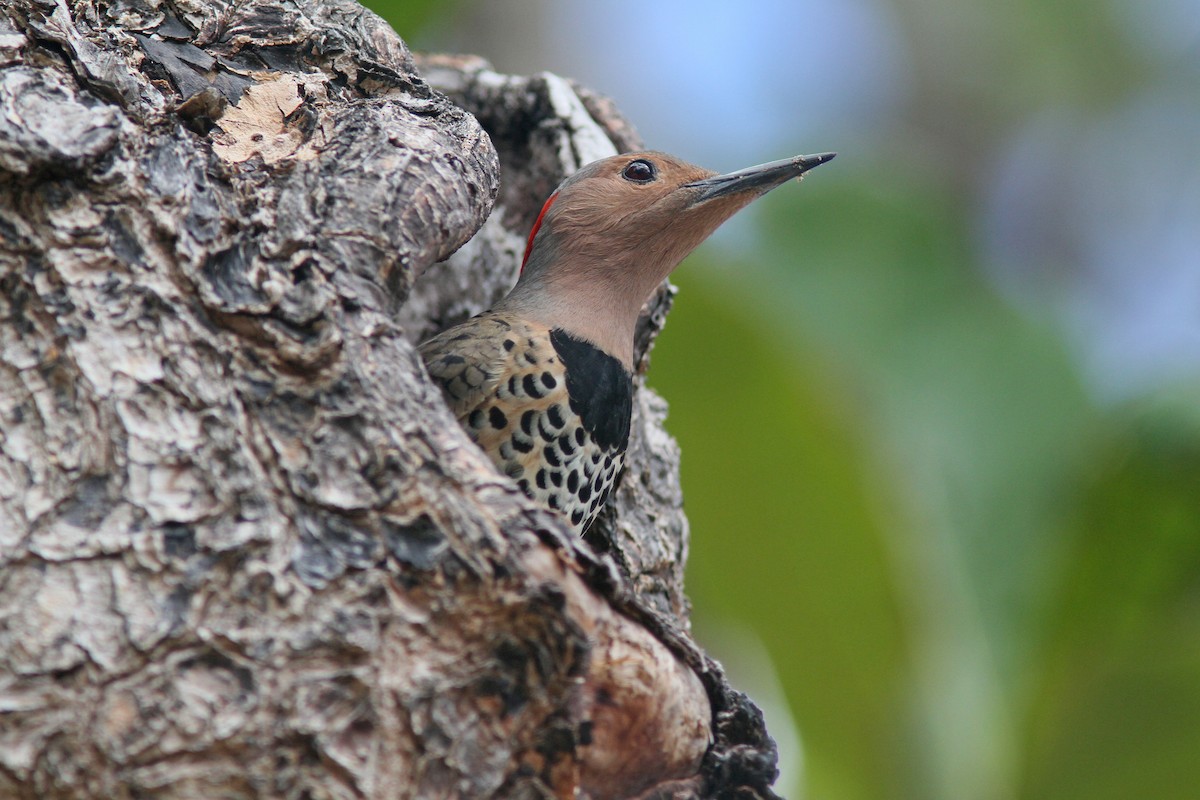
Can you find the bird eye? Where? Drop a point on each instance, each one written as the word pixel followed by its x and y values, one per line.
pixel 640 171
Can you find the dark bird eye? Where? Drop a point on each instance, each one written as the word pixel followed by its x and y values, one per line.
pixel 640 171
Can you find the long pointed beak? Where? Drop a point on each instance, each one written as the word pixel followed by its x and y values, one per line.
pixel 762 178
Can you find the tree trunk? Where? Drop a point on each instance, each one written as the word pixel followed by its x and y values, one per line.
pixel 245 551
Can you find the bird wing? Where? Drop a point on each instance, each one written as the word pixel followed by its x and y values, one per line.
pixel 468 361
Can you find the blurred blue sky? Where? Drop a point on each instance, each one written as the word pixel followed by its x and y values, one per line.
pixel 761 76
pixel 1096 218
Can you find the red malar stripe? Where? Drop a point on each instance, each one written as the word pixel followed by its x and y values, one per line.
pixel 536 226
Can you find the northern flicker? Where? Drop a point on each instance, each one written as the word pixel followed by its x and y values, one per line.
pixel 543 381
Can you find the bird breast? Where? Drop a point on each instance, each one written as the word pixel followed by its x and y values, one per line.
pixel 551 410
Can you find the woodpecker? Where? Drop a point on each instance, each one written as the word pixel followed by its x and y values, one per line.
pixel 543 382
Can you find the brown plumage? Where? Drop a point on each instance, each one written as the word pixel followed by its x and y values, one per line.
pixel 542 382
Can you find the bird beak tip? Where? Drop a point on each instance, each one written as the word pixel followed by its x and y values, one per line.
pixel 808 162
pixel 762 178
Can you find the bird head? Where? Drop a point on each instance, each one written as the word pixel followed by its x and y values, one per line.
pixel 610 233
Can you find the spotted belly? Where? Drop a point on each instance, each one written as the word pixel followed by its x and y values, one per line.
pixel 543 446
pixel 552 411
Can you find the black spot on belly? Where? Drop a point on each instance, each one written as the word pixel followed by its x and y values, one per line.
pixel 600 389
pixel 554 414
pixel 531 388
pixel 577 516
pixel 497 418
pixel 551 456
pixel 522 445
pixel 572 481
pixel 548 380
pixel 527 422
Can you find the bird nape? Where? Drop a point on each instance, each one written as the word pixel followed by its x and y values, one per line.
pixel 543 380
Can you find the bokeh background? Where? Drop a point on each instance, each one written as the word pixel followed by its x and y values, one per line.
pixel 939 405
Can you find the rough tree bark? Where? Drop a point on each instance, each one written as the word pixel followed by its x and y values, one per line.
pixel 244 549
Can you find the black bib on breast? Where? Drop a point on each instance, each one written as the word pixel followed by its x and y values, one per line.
pixel 601 390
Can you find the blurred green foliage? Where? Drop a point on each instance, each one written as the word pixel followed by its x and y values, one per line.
pixel 411 17
pixel 975 582
pixel 899 484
